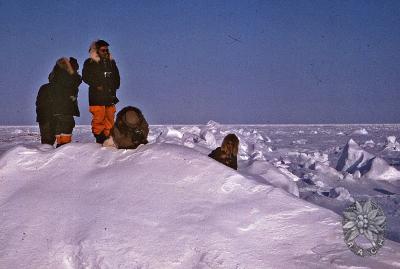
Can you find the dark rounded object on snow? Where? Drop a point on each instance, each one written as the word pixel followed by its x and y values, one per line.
pixel 130 129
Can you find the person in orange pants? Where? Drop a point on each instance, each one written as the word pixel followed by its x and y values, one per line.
pixel 102 119
pixel 101 73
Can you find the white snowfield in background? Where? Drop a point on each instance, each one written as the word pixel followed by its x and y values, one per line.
pixel 167 205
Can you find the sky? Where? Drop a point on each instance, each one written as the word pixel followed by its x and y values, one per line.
pixel 188 62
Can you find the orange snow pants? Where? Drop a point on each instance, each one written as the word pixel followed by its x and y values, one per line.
pixel 63 139
pixel 102 119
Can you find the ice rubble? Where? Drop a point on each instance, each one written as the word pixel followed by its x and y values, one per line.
pixel 392 144
pixel 361 131
pixel 355 160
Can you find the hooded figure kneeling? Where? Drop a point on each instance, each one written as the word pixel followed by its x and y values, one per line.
pixel 129 131
pixel 227 153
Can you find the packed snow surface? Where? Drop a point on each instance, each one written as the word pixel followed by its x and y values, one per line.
pixel 167 205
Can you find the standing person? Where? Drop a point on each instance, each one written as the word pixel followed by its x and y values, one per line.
pixel 44 114
pixel 100 72
pixel 64 80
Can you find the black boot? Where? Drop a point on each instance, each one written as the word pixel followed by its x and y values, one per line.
pixel 100 138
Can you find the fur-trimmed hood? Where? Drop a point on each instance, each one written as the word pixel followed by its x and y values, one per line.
pixel 130 129
pixel 63 64
pixel 93 52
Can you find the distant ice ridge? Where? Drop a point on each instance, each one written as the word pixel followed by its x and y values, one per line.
pixel 355 160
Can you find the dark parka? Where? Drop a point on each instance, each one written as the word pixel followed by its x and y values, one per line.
pixel 64 82
pixel 60 95
pixel 222 157
pixel 101 72
pixel 130 129
pixel 44 101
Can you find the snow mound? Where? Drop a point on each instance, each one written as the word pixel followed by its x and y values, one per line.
pixel 341 194
pixel 299 142
pixel 361 131
pixel 273 176
pixel 159 206
pixel 380 170
pixel 369 144
pixel 359 162
pixel 310 160
pixel 17 131
pixel 209 138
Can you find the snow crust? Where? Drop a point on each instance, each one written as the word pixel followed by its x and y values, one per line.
pixel 167 205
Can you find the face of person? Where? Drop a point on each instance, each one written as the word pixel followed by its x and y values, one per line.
pixel 103 52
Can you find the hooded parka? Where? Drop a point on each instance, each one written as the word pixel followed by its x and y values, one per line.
pixel 103 73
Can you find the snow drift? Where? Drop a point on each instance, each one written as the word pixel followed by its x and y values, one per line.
pixel 160 206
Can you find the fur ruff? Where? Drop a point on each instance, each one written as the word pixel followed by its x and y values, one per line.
pixel 93 52
pixel 64 63
pixel 230 145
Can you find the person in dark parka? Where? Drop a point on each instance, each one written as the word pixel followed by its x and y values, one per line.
pixel 227 153
pixel 130 129
pixel 65 81
pixel 100 72
pixel 44 114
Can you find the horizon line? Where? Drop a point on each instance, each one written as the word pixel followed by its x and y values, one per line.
pixel 235 124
